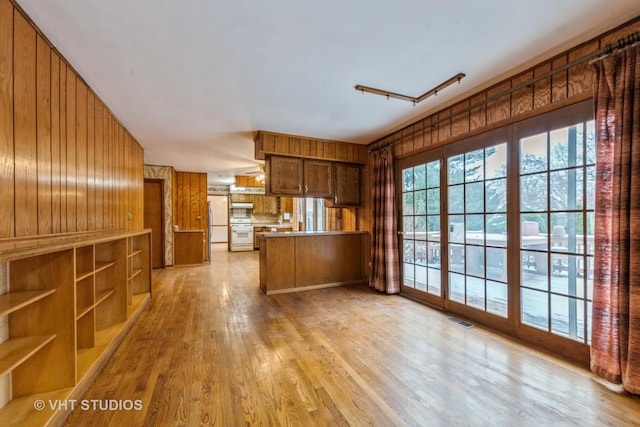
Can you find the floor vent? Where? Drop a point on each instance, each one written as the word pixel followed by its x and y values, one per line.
pixel 460 322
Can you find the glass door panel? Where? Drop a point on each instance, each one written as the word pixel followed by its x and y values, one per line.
pixel 557 188
pixel 421 228
pixel 477 229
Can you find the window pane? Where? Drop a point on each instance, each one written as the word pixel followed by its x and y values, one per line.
pixel 433 254
pixel 566 189
pixel 408 251
pixel 421 224
pixel 474 166
pixel 590 228
pixel 407 204
pixel 496 230
pixel 456 228
pixel 533 230
pixel 419 177
pixel 421 252
pixel 475 229
pixel 567 317
pixel 535 309
pixel 434 281
pixel 456 199
pixel 566 232
pixel 456 258
pixel 564 277
pixel 591 142
pixel 475 260
pixel 433 201
pixel 409 274
pixel 496 161
pixel 559 148
pixel 433 174
pixel 497 264
pixel 421 278
pixel 407 224
pixel 533 193
pixel 533 153
pixel 496 195
pixel 455 168
pixel 579 160
pixel 474 197
pixel 407 179
pixel 497 298
pixel 456 287
pixel 591 187
pixel 420 202
pixel 475 292
pixel 533 270
pixel 433 224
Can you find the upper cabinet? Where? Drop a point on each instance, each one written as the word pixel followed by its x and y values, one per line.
pixel 292 176
pixel 346 185
pixel 318 178
pixel 284 176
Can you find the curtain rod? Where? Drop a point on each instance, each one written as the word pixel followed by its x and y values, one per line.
pixel 593 56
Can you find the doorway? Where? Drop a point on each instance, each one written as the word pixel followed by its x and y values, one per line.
pixel 154 219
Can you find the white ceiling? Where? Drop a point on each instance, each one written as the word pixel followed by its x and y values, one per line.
pixel 194 80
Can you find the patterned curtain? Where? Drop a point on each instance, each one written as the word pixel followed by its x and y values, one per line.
pixel 615 347
pixel 385 273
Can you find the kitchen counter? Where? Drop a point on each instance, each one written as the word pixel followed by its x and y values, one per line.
pixel 297 261
pixel 271 225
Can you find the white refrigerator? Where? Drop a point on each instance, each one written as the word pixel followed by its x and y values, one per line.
pixel 219 218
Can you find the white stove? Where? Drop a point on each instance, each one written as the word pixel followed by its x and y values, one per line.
pixel 241 234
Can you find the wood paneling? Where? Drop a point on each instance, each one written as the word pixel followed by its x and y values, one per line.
pixel 26 170
pixel 70 150
pixel 190 202
pixel 43 89
pixel 7 160
pixel 67 164
pixel 267 143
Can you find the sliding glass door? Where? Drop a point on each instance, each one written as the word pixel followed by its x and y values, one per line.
pixel 557 191
pixel 420 241
pixel 477 229
pixel 498 228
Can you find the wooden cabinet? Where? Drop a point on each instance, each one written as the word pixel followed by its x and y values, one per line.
pixel 298 177
pixel 318 178
pixel 284 175
pixel 346 185
pixel 299 261
pixel 265 205
pixel 69 305
pixel 187 247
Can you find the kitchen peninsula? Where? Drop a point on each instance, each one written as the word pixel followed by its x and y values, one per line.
pixel 296 261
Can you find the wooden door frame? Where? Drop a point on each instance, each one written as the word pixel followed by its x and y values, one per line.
pixel 162 224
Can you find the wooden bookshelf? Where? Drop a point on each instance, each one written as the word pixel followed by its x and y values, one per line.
pixel 70 303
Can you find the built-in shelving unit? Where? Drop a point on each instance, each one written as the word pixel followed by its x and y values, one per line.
pixel 69 302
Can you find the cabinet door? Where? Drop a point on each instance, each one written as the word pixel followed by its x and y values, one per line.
pixel 318 177
pixel 284 175
pixel 346 185
pixel 286 204
pixel 270 205
pixel 258 208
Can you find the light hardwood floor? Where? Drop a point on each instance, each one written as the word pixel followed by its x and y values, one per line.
pixel 211 349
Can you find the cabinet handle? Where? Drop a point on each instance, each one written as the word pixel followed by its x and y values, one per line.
pixel 335 200
pixel 306 189
pixel 300 188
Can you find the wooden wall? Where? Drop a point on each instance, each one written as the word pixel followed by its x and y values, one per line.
pixel 563 88
pixel 191 201
pixel 268 143
pixel 66 164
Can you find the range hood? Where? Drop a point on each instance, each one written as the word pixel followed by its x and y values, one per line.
pixel 241 205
